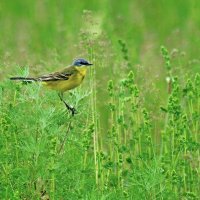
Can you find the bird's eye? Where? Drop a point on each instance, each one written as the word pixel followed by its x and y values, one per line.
pixel 82 63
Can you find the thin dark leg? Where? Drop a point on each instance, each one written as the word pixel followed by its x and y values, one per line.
pixel 72 109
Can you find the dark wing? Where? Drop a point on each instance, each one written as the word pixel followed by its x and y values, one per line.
pixel 63 75
pixel 54 77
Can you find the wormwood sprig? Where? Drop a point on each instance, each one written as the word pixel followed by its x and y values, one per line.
pixel 146 129
pixel 197 85
pixel 168 65
pixel 125 52
pixel 166 57
pixel 53 140
pixel 86 143
pixel 112 106
pixel 174 106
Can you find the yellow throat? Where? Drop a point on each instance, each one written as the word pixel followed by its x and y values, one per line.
pixel 82 70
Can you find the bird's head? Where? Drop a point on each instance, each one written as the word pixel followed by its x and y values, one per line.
pixel 81 62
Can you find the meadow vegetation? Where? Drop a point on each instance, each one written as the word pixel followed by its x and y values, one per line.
pixel 136 133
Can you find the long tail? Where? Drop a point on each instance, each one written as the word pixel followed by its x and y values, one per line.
pixel 23 79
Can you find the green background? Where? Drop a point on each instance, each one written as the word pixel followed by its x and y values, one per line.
pixel 159 156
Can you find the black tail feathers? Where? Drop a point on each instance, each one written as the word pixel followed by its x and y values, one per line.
pixel 23 79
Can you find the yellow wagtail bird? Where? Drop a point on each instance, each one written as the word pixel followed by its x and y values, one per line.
pixel 66 79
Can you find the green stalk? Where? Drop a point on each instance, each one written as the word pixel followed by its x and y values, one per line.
pixel 94 117
pixel 53 185
pixel 8 180
pixel 119 144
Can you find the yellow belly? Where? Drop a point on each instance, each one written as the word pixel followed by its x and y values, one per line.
pixel 63 85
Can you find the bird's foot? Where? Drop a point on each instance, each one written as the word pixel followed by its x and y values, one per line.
pixel 71 109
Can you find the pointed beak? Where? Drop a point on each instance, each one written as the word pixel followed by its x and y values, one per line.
pixel 89 64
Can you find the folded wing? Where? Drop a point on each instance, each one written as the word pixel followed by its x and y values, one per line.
pixel 57 76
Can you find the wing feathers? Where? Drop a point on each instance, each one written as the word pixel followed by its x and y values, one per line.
pixel 55 77
pixel 63 75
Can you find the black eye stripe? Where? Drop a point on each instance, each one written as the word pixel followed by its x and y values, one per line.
pixel 83 63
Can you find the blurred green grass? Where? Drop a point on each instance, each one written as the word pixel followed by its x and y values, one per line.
pixel 47 35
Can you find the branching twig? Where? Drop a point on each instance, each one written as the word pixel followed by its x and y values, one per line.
pixel 65 138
